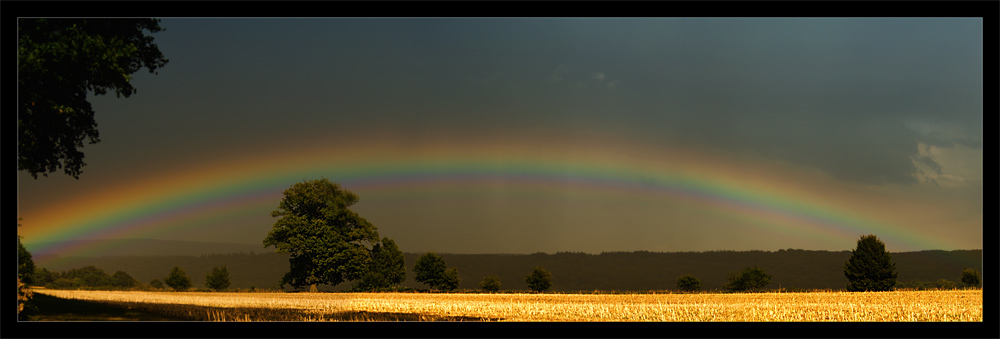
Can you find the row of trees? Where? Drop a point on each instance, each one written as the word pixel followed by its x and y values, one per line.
pixel 217 279
pixel 330 244
pixel 91 277
pixel 870 268
pixel 751 279
pixel 432 270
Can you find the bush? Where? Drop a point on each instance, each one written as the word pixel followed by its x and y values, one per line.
pixel 490 283
pixel 945 284
pixel 750 280
pixel 218 279
pixel 539 279
pixel 63 284
pixel 178 280
pixel 971 277
pixel 688 283
pixel 156 283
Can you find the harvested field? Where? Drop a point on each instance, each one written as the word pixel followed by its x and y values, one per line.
pixel 922 306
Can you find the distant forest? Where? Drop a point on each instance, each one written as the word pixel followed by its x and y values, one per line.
pixel 608 271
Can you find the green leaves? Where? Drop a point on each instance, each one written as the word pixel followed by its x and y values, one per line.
pixel 432 270
pixel 539 279
pixel 60 61
pixel 971 277
pixel 178 280
pixel 750 280
pixel 688 283
pixel 218 278
pixel 328 243
pixel 490 283
pixel 387 268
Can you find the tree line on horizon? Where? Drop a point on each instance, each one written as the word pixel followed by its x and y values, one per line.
pixel 328 244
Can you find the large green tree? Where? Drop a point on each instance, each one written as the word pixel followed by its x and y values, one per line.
pixel 60 62
pixel 870 267
pixel 328 242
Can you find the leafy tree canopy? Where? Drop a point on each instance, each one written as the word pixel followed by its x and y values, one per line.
pixel 178 280
pixel 971 277
pixel 218 278
pixel 688 283
pixel 432 270
pixel 490 283
pixel 750 280
pixel 328 242
pixel 61 61
pixel 870 267
pixel 539 279
pixel 387 269
pixel 25 266
pixel 123 280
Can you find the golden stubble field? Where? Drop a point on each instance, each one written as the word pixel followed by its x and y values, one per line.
pixel 932 306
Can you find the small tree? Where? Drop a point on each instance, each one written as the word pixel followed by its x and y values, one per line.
pixel 750 280
pixel 870 267
pixel 156 283
pixel 218 279
pixel 688 283
pixel 387 269
pixel 451 279
pixel 971 277
pixel 178 280
pixel 431 269
pixel 539 279
pixel 490 283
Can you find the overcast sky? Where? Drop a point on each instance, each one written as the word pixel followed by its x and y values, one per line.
pixel 576 134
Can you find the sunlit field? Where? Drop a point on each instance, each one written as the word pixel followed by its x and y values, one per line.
pixel 950 305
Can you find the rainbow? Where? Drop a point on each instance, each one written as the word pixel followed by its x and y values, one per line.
pixel 233 190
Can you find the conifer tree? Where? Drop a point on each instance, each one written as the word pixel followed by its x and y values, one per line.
pixel 870 267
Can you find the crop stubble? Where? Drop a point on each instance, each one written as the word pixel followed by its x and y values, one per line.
pixel 949 305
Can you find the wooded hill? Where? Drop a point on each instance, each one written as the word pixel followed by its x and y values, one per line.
pixel 608 271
